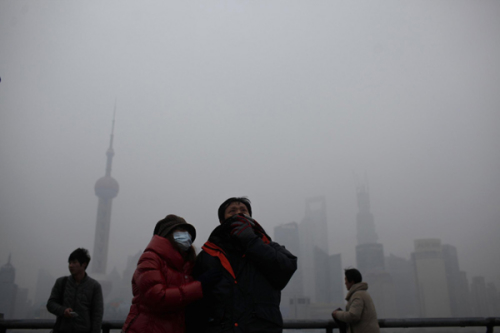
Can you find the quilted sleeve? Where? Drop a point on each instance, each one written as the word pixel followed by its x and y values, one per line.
pixel 354 313
pixel 153 289
pixel 53 304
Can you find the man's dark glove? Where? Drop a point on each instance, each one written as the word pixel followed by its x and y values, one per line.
pixel 242 229
pixel 240 218
pixel 209 279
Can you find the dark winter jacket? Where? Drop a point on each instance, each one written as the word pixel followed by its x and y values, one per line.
pixel 85 299
pixel 247 297
pixel 162 286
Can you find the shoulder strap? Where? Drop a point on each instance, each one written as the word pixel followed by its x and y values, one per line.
pixel 65 279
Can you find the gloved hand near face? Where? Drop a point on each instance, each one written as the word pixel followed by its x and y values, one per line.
pixel 242 228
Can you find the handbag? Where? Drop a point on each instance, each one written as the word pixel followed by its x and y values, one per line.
pixel 57 325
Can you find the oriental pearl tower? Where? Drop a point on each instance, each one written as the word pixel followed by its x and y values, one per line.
pixel 106 188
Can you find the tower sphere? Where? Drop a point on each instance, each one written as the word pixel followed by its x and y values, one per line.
pixel 106 187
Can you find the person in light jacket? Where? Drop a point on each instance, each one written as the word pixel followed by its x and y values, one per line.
pixel 360 314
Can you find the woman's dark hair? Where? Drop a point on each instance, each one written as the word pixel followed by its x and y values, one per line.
pixel 222 208
pixel 81 255
pixel 353 275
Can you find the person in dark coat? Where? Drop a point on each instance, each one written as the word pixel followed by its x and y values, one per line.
pixel 162 284
pixel 254 271
pixel 77 299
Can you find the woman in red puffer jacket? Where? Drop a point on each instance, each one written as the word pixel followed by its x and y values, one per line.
pixel 162 284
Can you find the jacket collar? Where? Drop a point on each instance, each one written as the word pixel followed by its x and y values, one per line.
pixel 221 237
pixel 85 278
pixel 356 287
pixel 163 248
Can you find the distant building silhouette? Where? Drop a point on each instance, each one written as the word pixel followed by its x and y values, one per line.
pixel 45 282
pixel 329 278
pixel 493 299
pixel 8 290
pixel 313 233
pixel 288 236
pixel 317 285
pixel 321 272
pixel 365 223
pixel 119 300
pixel 485 297
pixel 479 295
pixel 369 253
pixel 432 283
pixel 106 188
pixel 370 257
pixel 405 287
pixel 21 305
pixel 458 288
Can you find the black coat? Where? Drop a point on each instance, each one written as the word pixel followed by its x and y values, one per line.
pixel 248 298
pixel 85 299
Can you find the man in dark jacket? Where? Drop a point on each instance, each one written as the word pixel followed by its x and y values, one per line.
pixel 254 269
pixel 77 299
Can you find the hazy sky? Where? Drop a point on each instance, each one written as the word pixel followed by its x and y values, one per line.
pixel 275 100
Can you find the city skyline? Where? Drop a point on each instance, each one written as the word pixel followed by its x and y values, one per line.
pixel 440 275
pixel 307 202
pixel 276 101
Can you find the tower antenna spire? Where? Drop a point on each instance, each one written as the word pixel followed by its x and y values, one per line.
pixel 112 128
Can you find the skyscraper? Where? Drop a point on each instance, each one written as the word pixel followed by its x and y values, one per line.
pixel 370 257
pixel 405 287
pixel 479 296
pixel 313 236
pixel 369 253
pixel 288 236
pixel 365 224
pixel 458 288
pixel 321 272
pixel 44 284
pixel 106 188
pixel 8 290
pixel 432 285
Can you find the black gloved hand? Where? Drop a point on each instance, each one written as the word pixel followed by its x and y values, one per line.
pixel 241 218
pixel 209 279
pixel 242 228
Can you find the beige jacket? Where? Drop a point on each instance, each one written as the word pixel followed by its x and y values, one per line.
pixel 360 314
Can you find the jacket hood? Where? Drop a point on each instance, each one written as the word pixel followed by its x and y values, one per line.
pixel 356 287
pixel 163 248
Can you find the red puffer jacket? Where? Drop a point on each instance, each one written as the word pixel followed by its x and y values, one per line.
pixel 162 286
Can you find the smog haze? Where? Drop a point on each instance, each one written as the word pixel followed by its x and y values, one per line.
pixel 277 101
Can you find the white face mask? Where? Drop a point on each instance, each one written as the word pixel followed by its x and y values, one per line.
pixel 183 239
